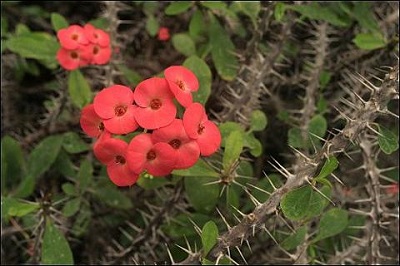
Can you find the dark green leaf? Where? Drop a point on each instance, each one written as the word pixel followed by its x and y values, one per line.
pixel 324 79
pixel 250 9
pixel 199 169
pixel 329 166
pixel 332 223
pixel 209 235
pixel 233 149
pixel 322 105
pixel 279 11
pixel 181 225
pixel 12 162
pixel 133 77
pixel 100 23
pixel 222 51
pixel 264 187
pixel 73 143
pixel 85 175
pixel 55 248
pixel 79 89
pixel 150 7
pixel 364 14
pixel 196 25
pixel 21 29
pixel 149 182
pixel 369 41
pixel 258 120
pixel 58 21
pixel 71 207
pixel 203 73
pixel 69 189
pixel 184 44
pixel 295 139
pixel 202 195
pixel 64 165
pixel 176 8
pixel 227 128
pixel 232 198
pixel 15 207
pixel 152 26
pixel 253 143
pixel 318 126
pixel 318 12
pixel 387 140
pixel 43 155
pixel 292 241
pixel 113 197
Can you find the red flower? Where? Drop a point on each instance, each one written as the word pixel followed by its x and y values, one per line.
pixel 96 36
pixel 186 150
pixel 182 82
pixel 112 153
pixel 90 122
pixel 156 107
pixel 72 59
pixel 96 54
pixel 72 37
pixel 158 159
pixel 115 106
pixel 204 131
pixel 163 34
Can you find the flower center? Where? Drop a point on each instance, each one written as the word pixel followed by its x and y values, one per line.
pixel 74 55
pixel 95 50
pixel 119 159
pixel 180 84
pixel 151 155
pixel 155 104
pixel 120 110
pixel 96 36
pixel 74 37
pixel 200 129
pixel 101 126
pixel 175 143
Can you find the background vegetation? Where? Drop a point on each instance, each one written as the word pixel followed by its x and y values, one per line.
pixel 305 95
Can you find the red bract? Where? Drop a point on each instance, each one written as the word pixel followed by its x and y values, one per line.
pixel 96 36
pixel 96 54
pixel 90 122
pixel 72 37
pixel 186 150
pixel 158 159
pixel 156 107
pixel 163 34
pixel 71 59
pixel 182 83
pixel 112 152
pixel 204 131
pixel 115 106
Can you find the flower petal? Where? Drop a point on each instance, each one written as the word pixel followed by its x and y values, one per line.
pixel 187 155
pixel 65 59
pixel 136 154
pixel 164 162
pixel 90 122
pixel 152 119
pixel 102 56
pixel 182 74
pixel 106 100
pixel 210 139
pixel 121 175
pixel 194 116
pixel 184 97
pixel 106 149
pixel 122 124
pixel 152 88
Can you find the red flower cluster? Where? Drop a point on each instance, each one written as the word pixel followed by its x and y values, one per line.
pixel 83 46
pixel 167 142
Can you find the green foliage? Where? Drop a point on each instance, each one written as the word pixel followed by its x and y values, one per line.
pixel 55 247
pixel 369 41
pixel 72 143
pixel 152 25
pixel 387 140
pixel 304 202
pixel 203 73
pixel 329 166
pixel 11 207
pixel 111 196
pixel 295 239
pixel 58 21
pixel 209 235
pixel 202 192
pixel 199 169
pixel 233 149
pixel 258 120
pixel 176 8
pixel 79 89
pixel 184 44
pixel 132 76
pixel 12 162
pixel 332 223
pixel 71 207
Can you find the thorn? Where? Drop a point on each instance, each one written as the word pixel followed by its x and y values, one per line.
pixel 220 256
pixel 230 259
pixel 236 209
pixel 196 227
pixel 248 245
pixel 284 172
pixel 318 137
pixel 260 189
pixel 357 211
pixel 319 192
pixel 241 255
pixel 337 179
pixel 253 199
pixel 169 254
pixel 279 246
pixel 223 219
pixel 184 249
pixel 126 234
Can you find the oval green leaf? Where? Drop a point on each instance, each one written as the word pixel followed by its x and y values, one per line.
pixel 71 207
pixel 184 44
pixel 233 149
pixel 258 120
pixel 176 8
pixel 292 241
pixel 73 143
pixel 209 235
pixel 387 140
pixel 79 89
pixel 55 247
pixel 369 41
pixel 58 21
pixel 202 195
pixel 201 168
pixel 332 223
pixel 152 26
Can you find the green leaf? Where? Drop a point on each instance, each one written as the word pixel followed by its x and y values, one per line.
pixel 79 89
pixel 369 41
pixel 55 247
pixel 250 9
pixel 214 5
pixel 12 162
pixel 258 120
pixel 152 26
pixel 332 223
pixel 133 77
pixel 233 149
pixel 184 44
pixel 176 8
pixel 264 184
pixel 147 181
pixel 69 189
pixel 58 21
pixel 318 126
pixel 364 14
pixel 222 51
pixel 232 198
pixel 322 105
pixel 209 235
pixel 324 79
pixel 37 45
pixel 71 207
pixel 329 166
pixel 200 68
pixel 113 197
pixel 73 143
pixel 181 225
pixel 149 8
pixel 253 143
pixel 201 168
pixel 201 195
pixel 279 11
pixel 292 241
pixel 43 155
pixel 387 140
pixel 15 207
pixel 64 165
pixel 227 128
pixel 85 175
pixel 304 202
pixel 196 25
pixel 318 12
pixel 295 139
pixel 21 29
pixel 100 23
